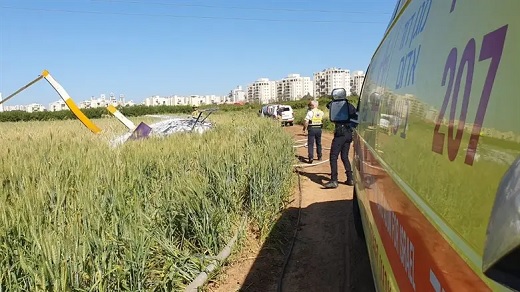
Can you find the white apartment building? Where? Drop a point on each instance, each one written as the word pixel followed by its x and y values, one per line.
pixel 34 107
pixel 356 81
pixel 58 106
pixel 101 102
pixel 9 108
pixel 157 101
pixel 180 100
pixel 1 105
pixel 262 91
pixel 215 99
pixel 197 100
pixel 205 99
pixel 294 87
pixel 236 95
pixel 328 79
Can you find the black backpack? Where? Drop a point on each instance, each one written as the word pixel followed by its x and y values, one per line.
pixel 339 108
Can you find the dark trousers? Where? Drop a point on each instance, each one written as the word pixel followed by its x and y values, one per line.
pixel 314 135
pixel 340 145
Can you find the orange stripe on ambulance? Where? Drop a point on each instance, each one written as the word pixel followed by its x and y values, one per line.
pixel 381 273
pixel 401 242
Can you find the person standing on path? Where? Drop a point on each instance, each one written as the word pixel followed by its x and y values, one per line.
pixel 313 123
pixel 343 134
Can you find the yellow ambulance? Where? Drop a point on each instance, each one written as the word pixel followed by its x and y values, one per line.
pixel 437 148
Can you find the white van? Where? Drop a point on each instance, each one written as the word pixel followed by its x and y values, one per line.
pixel 287 115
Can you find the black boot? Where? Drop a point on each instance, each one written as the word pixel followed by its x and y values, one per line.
pixel 331 184
pixel 350 179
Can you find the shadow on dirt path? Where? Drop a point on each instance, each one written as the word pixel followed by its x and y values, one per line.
pixel 327 254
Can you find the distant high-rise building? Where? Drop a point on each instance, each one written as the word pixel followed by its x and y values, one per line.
pixel 179 100
pixel 94 102
pixel 1 105
pixel 294 87
pixel 262 91
pixel 356 81
pixel 236 95
pixel 58 106
pixel 34 107
pixel 157 100
pixel 328 79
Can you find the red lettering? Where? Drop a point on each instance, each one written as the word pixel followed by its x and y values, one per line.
pixel 451 64
pixel 453 2
pixel 468 58
pixel 492 48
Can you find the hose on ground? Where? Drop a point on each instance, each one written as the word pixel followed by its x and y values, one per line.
pixel 203 276
pixel 297 168
pixel 305 145
pixel 303 165
pixel 280 281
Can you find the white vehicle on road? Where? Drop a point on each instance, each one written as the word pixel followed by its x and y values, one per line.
pixel 287 114
pixel 283 112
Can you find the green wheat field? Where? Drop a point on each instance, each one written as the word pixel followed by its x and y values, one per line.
pixel 79 215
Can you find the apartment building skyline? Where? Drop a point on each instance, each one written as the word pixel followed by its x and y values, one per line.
pixel 93 102
pixel 295 86
pixel 58 105
pixel 292 87
pixel 156 100
pixel 184 100
pixel 30 108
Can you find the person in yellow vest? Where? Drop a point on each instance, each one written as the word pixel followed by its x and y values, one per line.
pixel 313 124
pixel 195 112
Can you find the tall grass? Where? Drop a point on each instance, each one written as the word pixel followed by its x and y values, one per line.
pixel 77 215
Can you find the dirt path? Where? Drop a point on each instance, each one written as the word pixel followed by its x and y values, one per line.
pixel 327 254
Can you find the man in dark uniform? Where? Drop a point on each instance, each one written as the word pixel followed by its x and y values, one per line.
pixel 343 133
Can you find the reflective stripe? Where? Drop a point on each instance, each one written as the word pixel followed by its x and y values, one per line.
pixel 70 103
pixel 317 117
pixel 114 111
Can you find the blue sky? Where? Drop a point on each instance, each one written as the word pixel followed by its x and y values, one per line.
pixel 163 47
